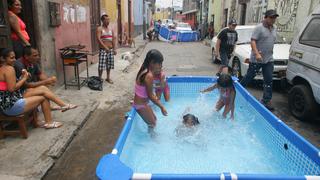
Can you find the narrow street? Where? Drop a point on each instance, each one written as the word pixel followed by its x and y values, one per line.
pixel 98 136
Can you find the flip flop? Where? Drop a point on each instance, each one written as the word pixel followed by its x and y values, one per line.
pixel 56 108
pixel 109 81
pixel 52 125
pixel 68 107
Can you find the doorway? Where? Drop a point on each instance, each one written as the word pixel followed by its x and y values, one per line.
pixel 119 22
pixel 243 12
pixel 94 23
pixel 5 41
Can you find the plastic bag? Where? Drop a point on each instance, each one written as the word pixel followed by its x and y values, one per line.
pixel 95 83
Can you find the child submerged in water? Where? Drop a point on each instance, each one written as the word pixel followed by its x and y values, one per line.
pixel 227 94
pixel 189 122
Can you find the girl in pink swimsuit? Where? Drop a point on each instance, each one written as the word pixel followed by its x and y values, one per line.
pixel 227 94
pixel 144 88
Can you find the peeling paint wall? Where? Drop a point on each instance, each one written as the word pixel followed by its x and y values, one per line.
pixel 74 29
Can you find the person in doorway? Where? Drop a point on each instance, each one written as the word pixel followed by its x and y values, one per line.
pixel 12 102
pixel 19 35
pixel 226 42
pixel 144 88
pixel 107 42
pixel 38 81
pixel 262 43
pixel 227 94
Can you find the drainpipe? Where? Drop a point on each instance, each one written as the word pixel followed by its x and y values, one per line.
pixel 144 19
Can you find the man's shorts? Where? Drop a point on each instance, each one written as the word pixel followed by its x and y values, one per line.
pixel 225 57
pixel 106 59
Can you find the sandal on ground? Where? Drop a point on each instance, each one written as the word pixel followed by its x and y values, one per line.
pixel 52 125
pixel 109 81
pixel 68 107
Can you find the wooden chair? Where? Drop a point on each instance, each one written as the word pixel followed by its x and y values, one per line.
pixel 21 121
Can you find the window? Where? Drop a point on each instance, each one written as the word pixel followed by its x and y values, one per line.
pixel 311 35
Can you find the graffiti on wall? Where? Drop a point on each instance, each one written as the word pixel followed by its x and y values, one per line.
pixel 74 14
pixel 287 10
pixel 258 8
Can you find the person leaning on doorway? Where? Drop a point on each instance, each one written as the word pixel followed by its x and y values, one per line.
pixel 19 35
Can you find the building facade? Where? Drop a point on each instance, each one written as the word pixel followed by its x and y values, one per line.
pixel 190 10
pixel 292 14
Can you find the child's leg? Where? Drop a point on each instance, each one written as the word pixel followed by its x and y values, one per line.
pixel 227 109
pixel 166 93
pixel 158 93
pixel 219 105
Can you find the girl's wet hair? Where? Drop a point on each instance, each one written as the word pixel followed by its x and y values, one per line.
pixel 193 118
pixel 225 80
pixel 153 57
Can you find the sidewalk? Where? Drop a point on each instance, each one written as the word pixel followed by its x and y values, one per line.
pixel 31 158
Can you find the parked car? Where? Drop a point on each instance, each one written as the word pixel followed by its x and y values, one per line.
pixel 303 71
pixel 183 26
pixel 239 62
pixel 167 22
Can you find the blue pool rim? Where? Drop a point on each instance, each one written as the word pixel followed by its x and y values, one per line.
pixel 110 167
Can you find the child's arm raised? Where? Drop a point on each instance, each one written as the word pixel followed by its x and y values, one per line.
pixel 211 88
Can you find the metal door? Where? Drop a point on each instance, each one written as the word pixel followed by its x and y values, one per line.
pixel 5 41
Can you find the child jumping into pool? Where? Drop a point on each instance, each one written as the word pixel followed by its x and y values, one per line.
pixel 144 88
pixel 161 85
pixel 227 94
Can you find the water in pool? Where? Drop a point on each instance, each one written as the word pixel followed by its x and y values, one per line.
pixel 216 145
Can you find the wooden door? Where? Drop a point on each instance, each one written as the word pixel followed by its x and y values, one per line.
pixel 94 23
pixel 5 41
pixel 119 22
pixel 27 16
pixel 129 18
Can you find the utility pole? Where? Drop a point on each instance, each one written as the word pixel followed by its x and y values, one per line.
pixel 172 10
pixel 144 20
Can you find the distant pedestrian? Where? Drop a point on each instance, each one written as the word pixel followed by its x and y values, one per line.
pixel 107 42
pixel 226 44
pixel 262 42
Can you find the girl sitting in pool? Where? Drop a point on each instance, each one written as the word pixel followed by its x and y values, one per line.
pixel 161 85
pixel 144 88
pixel 227 94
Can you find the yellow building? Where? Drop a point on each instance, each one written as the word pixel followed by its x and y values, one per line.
pixel 118 11
pixel 163 13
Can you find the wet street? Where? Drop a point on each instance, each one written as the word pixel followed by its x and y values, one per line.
pixel 98 136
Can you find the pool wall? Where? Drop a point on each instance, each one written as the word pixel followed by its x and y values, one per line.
pixel 110 166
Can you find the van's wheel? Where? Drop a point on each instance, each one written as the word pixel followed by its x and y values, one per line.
pixel 236 68
pixel 301 102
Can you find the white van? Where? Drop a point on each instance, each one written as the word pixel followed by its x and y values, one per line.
pixel 303 71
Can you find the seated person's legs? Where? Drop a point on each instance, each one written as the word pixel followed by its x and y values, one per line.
pixel 44 91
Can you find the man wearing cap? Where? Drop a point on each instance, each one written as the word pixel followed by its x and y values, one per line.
pixel 262 42
pixel 226 42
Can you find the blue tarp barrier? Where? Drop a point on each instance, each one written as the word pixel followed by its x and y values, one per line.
pixel 181 36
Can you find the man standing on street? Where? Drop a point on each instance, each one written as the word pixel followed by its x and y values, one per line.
pixel 226 42
pixel 262 42
pixel 107 42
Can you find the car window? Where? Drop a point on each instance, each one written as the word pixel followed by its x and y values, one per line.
pixel 311 35
pixel 244 35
